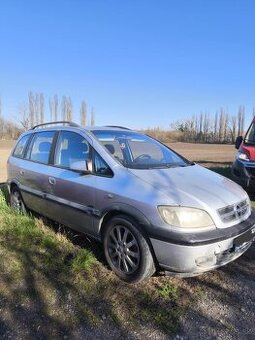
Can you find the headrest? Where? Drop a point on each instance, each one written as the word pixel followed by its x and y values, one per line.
pixel 44 147
pixel 110 148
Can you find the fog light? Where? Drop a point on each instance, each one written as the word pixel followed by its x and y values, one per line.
pixel 206 261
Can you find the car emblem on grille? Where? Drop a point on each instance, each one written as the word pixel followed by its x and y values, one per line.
pixel 238 210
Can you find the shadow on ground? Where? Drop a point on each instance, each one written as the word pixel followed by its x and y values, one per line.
pixel 56 282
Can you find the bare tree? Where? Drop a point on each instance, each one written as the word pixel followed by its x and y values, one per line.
pixel 51 109
pixel 64 107
pixel 215 126
pixel 240 120
pixel 69 109
pixel 31 100
pixel 24 117
pixel 221 125
pixel 83 113
pixel 226 127
pixel 206 126
pixel 37 108
pixel 201 122
pixel 41 108
pixel 55 107
pixel 92 119
pixel 233 129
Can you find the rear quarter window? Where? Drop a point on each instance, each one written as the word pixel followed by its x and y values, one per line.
pixel 39 149
pixel 20 148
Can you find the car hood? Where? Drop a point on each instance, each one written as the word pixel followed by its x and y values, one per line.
pixel 193 186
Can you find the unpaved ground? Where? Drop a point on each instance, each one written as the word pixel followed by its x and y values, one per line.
pixel 5 149
pixel 202 153
pixel 205 153
pixel 226 306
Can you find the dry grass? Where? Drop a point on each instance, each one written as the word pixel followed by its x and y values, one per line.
pixel 206 153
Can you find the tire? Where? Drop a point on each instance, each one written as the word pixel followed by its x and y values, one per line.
pixel 127 251
pixel 16 201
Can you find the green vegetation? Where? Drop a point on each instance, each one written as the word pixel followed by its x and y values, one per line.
pixel 222 170
pixel 60 280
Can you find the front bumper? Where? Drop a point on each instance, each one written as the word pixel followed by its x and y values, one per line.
pixel 195 258
pixel 244 173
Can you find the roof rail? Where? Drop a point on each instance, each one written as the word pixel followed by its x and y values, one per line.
pixel 118 127
pixel 63 122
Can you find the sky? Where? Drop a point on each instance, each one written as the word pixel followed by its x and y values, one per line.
pixel 138 63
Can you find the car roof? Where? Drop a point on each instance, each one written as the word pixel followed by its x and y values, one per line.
pixel 65 125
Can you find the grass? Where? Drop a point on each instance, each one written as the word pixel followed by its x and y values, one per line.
pixel 50 278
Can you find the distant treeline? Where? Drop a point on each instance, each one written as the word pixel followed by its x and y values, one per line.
pixel 203 128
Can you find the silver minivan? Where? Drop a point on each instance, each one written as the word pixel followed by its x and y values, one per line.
pixel 151 208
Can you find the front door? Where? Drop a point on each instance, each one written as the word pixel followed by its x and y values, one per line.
pixel 71 193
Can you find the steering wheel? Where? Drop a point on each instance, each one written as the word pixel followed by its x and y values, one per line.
pixel 143 156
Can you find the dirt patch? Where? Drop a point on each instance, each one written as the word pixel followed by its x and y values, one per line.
pixel 5 149
pixel 205 153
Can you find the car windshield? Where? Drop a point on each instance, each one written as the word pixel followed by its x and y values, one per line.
pixel 250 135
pixel 138 151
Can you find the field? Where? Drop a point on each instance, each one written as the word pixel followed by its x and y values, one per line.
pixel 5 149
pixel 212 155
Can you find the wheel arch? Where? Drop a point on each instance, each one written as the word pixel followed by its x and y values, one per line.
pixel 123 209
pixel 12 185
pixel 133 215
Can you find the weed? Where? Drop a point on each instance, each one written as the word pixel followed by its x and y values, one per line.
pixel 83 261
pixel 223 170
pixel 169 291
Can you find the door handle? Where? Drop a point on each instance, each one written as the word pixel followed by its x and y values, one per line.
pixel 21 172
pixel 52 180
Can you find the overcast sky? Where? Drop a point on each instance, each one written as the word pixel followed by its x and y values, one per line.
pixel 138 63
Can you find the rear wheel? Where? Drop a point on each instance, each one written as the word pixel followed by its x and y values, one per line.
pixel 127 250
pixel 16 201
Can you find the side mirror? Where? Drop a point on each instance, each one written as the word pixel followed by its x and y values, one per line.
pixel 82 166
pixel 238 142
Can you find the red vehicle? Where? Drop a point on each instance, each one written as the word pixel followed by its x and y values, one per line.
pixel 243 168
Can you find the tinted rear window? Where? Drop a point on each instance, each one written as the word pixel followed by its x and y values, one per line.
pixel 39 149
pixel 20 148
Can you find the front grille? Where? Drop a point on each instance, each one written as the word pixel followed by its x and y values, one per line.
pixel 251 171
pixel 234 212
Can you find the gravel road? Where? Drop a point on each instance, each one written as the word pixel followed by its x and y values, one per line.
pixel 226 307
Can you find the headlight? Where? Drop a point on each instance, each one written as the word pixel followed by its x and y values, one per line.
pixel 243 156
pixel 184 217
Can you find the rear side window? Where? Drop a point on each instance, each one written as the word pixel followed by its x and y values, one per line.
pixel 19 151
pixel 39 150
pixel 72 151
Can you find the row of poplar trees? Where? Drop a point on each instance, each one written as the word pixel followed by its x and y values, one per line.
pixel 35 112
pixel 220 128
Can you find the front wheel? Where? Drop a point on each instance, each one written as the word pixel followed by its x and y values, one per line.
pixel 127 251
